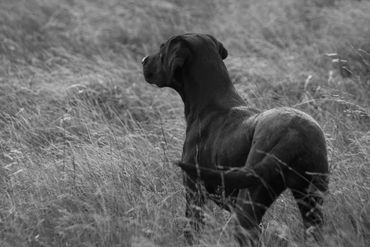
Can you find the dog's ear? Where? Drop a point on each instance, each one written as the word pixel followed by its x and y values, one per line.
pixel 177 55
pixel 221 49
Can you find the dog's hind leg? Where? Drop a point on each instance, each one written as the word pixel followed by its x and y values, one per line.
pixel 309 201
pixel 250 207
pixel 271 173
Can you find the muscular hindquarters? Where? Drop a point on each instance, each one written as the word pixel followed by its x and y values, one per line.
pixel 290 163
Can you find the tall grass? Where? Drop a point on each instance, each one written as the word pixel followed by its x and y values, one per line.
pixel 86 146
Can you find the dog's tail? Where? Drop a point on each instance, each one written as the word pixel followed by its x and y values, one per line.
pixel 238 178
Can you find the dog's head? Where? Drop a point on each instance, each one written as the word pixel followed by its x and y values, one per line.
pixel 164 67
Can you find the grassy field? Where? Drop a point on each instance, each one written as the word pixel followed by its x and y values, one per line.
pixel 86 146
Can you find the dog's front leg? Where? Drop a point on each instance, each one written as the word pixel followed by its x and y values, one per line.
pixel 194 201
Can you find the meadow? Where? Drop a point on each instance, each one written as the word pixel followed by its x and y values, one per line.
pixel 87 147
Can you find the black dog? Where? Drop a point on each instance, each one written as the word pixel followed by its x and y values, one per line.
pixel 261 154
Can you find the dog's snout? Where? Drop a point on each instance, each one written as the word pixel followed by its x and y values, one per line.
pixel 144 60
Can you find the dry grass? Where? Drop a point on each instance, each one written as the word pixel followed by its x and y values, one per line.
pixel 86 146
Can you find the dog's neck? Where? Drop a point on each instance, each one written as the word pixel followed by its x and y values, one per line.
pixel 206 88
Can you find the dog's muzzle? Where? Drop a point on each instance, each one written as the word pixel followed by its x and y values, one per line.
pixel 144 60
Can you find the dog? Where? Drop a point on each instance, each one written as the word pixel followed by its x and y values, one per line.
pixel 244 159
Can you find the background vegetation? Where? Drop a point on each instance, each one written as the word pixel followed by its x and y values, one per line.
pixel 86 146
